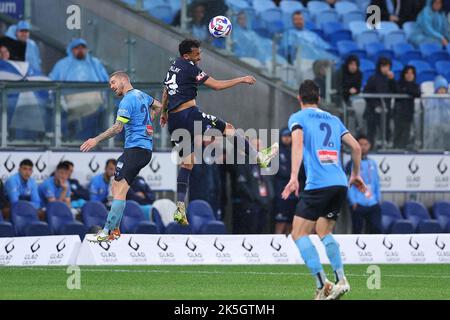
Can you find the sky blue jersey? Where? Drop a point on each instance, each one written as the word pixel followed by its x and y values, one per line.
pixel 322 133
pixel 134 113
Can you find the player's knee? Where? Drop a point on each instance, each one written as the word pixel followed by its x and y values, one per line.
pixel 119 189
pixel 188 166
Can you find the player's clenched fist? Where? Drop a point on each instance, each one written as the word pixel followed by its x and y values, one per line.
pixel 249 80
pixel 88 145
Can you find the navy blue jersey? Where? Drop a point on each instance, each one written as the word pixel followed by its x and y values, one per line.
pixel 182 81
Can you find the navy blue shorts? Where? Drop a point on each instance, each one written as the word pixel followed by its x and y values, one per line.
pixel 131 162
pixel 285 210
pixel 185 120
pixel 325 203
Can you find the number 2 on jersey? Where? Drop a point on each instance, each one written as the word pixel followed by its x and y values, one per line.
pixel 326 127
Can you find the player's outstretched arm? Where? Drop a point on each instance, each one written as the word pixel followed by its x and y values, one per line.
pixel 297 158
pixel 225 84
pixel 355 177
pixel 115 129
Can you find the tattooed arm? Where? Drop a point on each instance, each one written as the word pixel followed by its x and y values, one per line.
pixel 111 132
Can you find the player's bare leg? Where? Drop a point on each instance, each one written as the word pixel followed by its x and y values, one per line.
pixel 324 228
pixel 262 157
pixel 111 230
pixel 187 164
pixel 301 229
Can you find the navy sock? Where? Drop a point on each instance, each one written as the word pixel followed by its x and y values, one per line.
pixel 182 183
pixel 248 148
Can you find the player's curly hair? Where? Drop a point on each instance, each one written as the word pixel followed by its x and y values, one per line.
pixel 187 45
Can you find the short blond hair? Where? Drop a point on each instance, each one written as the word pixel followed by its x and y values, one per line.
pixel 120 74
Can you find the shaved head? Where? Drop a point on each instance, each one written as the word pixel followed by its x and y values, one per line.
pixel 120 74
pixel 119 82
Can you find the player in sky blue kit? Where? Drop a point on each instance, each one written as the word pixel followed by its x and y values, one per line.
pixel 180 111
pixel 316 140
pixel 136 112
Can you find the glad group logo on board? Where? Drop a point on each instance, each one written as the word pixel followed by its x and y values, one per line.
pixel 7 253
pixel 390 252
pixel 164 252
pixel 278 251
pixel 194 253
pixel 385 174
pixel 363 251
pixel 442 177
pixel 137 255
pixel 443 250
pixel 416 252
pixel 251 255
pixel 221 252
pixel 413 179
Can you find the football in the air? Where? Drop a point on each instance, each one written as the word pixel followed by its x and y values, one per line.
pixel 220 27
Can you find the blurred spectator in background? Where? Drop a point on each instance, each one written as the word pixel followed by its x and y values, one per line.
pixel 381 82
pixel 56 187
pixel 205 181
pixel 437 117
pixel 16 48
pixel 78 194
pixel 398 11
pixel 331 3
pixel 212 9
pixel 100 186
pixel 350 78
pixel 21 32
pixel 21 186
pixel 141 193
pixel 431 25
pixel 252 195
pixel 404 108
pixel 4 53
pixel 79 65
pixel 365 207
pixel 199 24
pixel 284 209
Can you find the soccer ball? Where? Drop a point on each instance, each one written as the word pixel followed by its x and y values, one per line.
pixel 220 27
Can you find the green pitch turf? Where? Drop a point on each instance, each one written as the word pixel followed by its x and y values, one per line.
pixel 218 282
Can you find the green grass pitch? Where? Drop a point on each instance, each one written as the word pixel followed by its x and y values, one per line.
pixel 291 282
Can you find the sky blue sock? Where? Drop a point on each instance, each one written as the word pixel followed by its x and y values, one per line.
pixel 334 255
pixel 114 215
pixel 311 258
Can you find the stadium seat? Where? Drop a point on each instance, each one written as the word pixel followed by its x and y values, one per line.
pixel 133 220
pixel 61 221
pixel 441 212
pixel 176 5
pixel 94 215
pixel 213 227
pixel 236 5
pixel 420 66
pixel 348 47
pixel 272 20
pixel 262 5
pixel 345 7
pixel 418 215
pixel 290 6
pixel 406 52
pixel 326 16
pixel 392 220
pixel 448 48
pixel 386 27
pixel 6 229
pixel 162 12
pixel 357 27
pixel 176 228
pixel 26 221
pixel 397 68
pixel 352 16
pixel 335 32
pixel 427 87
pixel 376 49
pixel 426 75
pixel 166 209
pixel 393 38
pixel 433 52
pixel 160 227
pixel 201 215
pixel 366 37
pixel 408 28
pixel 316 7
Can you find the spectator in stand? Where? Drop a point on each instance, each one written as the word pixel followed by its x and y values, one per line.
pixel 431 25
pixel 100 186
pixel 56 187
pixel 398 11
pixel 365 207
pixel 350 78
pixel 381 82
pixel 141 193
pixel 21 186
pixel 199 24
pixel 4 53
pixel 404 108
pixel 78 194
pixel 79 65
pixel 21 32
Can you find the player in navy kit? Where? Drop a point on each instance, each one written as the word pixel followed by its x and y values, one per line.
pixel 316 139
pixel 180 111
pixel 136 111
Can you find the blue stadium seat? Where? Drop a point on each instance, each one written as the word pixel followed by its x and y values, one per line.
pixel 61 221
pixel 94 214
pixel 335 32
pixel 386 27
pixel 409 27
pixel 357 27
pixel 316 7
pixel 345 7
pixel 418 214
pixel 236 5
pixel 433 52
pixel 420 66
pixel 161 228
pixel 426 75
pixel 348 47
pixel 366 37
pixel 290 6
pixel 448 48
pixel 213 227
pixel 133 220
pixel 162 12
pixel 262 5
pixel 352 16
pixel 376 49
pixel 175 228
pixel 6 228
pixel 326 16
pixel 362 4
pixel 26 221
pixel 392 220
pixel 176 5
pixel 201 215
pixel 272 20
pixel 442 65
pixel 441 212
pixel 393 38
pixel 397 68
